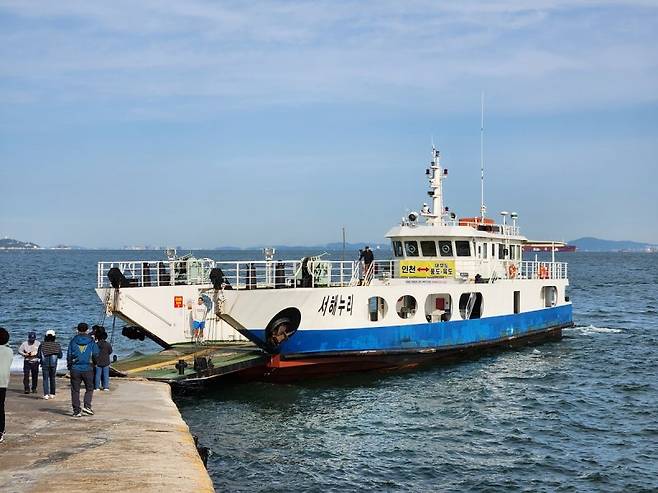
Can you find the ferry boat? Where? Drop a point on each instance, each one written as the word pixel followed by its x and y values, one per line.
pixel 454 286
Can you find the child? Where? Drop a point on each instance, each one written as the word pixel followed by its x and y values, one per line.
pixel 103 362
pixel 49 352
pixel 6 355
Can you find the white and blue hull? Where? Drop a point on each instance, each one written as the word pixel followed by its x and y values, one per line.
pixel 423 337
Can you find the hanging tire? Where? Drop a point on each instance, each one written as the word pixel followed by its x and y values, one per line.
pixel 282 327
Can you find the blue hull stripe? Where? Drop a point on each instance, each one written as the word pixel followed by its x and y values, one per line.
pixel 423 336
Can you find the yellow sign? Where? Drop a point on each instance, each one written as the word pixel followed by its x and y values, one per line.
pixel 427 268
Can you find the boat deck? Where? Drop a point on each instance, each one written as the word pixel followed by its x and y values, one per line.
pixel 213 361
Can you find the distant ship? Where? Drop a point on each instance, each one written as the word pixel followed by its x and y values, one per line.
pixel 453 287
pixel 548 246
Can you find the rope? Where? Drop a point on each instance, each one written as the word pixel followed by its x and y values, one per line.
pixel 114 321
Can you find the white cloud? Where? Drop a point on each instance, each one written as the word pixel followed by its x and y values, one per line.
pixel 538 55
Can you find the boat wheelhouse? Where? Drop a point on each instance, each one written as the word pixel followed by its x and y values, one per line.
pixel 452 286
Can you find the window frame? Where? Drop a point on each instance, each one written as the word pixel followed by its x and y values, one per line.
pixel 457 249
pixel 452 248
pixel 406 248
pixel 427 242
pixel 396 252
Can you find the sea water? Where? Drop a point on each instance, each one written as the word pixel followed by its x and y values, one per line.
pixel 580 414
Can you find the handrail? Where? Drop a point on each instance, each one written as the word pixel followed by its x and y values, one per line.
pixel 277 274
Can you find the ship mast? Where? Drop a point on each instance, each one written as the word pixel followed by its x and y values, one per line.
pixel 435 176
pixel 483 208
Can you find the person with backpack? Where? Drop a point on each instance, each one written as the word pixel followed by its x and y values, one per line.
pixel 82 349
pixel 49 352
pixel 102 370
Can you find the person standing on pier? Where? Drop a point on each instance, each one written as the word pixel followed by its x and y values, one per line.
pixel 82 349
pixel 29 350
pixel 6 355
pixel 49 352
pixel 199 314
pixel 102 370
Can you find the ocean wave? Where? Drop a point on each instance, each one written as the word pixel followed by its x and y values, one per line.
pixel 17 365
pixel 587 330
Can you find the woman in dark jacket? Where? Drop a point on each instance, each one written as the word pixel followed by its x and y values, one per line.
pixel 102 371
pixel 49 352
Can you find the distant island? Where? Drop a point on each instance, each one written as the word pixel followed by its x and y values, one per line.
pixel 327 246
pixel 11 244
pixel 585 244
pixel 590 244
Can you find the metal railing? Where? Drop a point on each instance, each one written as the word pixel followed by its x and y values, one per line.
pixel 505 229
pixel 279 274
pixel 543 270
pixel 143 273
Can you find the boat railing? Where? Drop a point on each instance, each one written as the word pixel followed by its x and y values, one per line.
pixel 278 274
pixel 543 270
pixel 506 229
pixel 147 273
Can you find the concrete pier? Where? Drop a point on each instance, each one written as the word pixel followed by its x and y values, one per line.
pixel 136 441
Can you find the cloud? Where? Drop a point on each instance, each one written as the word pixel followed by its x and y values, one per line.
pixel 544 55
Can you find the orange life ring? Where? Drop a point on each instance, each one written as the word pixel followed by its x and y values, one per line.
pixel 543 272
pixel 511 271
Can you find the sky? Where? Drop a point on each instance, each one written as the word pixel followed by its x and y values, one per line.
pixel 207 124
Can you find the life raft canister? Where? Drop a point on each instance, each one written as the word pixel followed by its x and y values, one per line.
pixel 511 271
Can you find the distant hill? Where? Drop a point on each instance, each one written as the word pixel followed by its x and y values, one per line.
pixel 590 244
pixel 11 244
pixel 329 247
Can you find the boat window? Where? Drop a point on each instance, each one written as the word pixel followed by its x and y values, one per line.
pixel 377 308
pixel 470 305
pixel 428 248
pixel 517 301
pixel 501 251
pixel 445 247
pixel 549 295
pixel 463 248
pixel 397 248
pixel 411 247
pixel 438 308
pixel 493 250
pixel 406 306
pixel 485 249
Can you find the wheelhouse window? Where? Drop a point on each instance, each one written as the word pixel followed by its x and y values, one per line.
pixel 411 248
pixel 397 248
pixel 485 249
pixel 428 248
pixel 463 248
pixel 501 251
pixel 445 247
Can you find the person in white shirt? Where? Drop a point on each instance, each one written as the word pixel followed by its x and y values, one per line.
pixel 199 314
pixel 6 355
pixel 29 350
